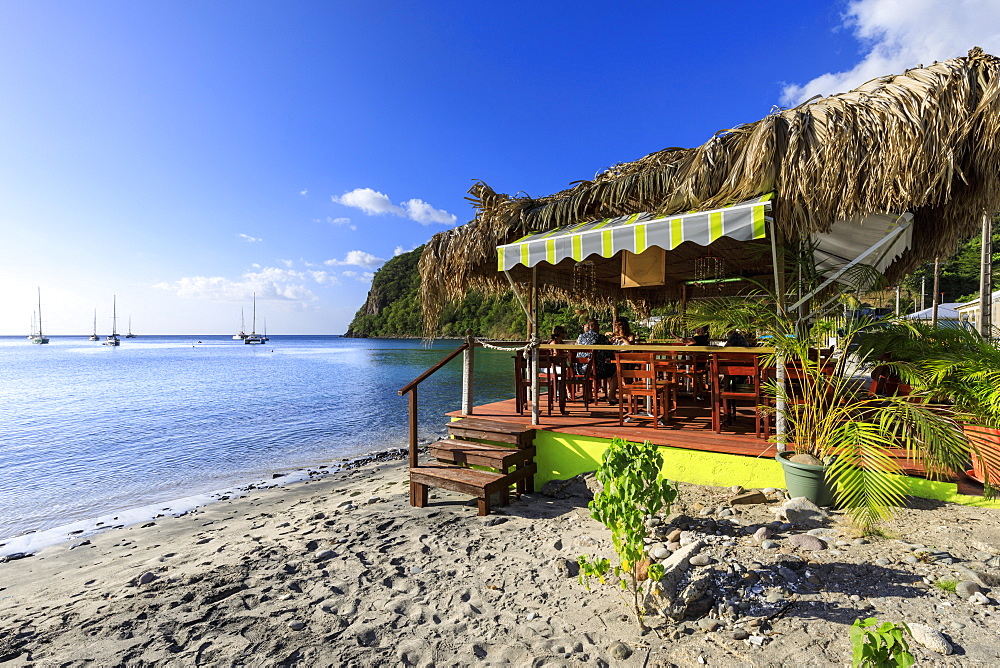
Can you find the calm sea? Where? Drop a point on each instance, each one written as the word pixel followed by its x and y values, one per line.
pixel 88 430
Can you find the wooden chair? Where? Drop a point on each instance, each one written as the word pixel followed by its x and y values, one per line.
pixel 637 377
pixel 736 377
pixel 580 374
pixel 551 375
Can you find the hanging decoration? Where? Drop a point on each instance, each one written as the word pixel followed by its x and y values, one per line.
pixel 708 271
pixel 585 280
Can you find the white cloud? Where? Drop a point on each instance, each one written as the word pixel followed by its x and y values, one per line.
pixel 900 34
pixel 248 238
pixel 323 277
pixel 397 251
pixel 287 263
pixel 357 258
pixel 270 283
pixel 303 192
pixel 425 214
pixel 349 274
pixel 374 203
pixel 341 222
pixel 361 277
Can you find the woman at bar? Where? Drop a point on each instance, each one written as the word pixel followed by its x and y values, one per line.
pixel 621 333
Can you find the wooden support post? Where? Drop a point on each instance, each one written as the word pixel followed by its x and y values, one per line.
pixel 468 369
pixel 418 496
pixel 898 295
pixel 778 266
pixel 986 280
pixel 535 389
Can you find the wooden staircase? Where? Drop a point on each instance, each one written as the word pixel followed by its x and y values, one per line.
pixel 512 463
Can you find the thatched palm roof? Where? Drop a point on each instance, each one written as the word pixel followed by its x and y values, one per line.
pixel 925 141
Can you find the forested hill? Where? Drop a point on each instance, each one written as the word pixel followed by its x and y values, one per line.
pixel 392 309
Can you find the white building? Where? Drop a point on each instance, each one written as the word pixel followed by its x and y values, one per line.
pixel 969 312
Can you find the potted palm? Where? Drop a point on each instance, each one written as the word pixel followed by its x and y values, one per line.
pixel 852 440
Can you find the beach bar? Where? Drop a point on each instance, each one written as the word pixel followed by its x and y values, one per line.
pixel 872 182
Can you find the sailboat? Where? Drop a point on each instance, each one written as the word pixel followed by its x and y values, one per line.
pixel 94 336
pixel 38 337
pixel 243 330
pixel 113 339
pixel 130 335
pixel 253 337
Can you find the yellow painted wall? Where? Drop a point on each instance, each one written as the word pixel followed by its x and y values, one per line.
pixel 560 456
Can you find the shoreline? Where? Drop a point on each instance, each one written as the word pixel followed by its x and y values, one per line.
pixel 27 543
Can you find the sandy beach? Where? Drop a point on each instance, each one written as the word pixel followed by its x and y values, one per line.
pixel 340 570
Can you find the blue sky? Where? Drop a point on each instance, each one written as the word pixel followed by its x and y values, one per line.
pixel 183 155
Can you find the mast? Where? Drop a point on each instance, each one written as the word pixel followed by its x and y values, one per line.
pixel 253 321
pixel 39 312
pixel 95 322
pixel 114 315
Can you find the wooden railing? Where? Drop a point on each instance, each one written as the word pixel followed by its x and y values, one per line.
pixel 411 388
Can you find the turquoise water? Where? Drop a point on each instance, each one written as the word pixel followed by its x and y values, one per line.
pixel 87 430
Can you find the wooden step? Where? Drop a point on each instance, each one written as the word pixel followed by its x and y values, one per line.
pixel 458 451
pixel 481 484
pixel 492 430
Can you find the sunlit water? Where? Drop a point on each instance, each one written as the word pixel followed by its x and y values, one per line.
pixel 87 430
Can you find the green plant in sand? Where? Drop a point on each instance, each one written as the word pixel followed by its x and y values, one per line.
pixel 946 584
pixel 633 488
pixel 876 645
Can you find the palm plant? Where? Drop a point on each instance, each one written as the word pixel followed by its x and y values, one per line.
pixel 956 365
pixel 830 414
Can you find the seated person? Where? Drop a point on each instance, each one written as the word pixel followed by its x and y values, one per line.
pixel 558 335
pixel 700 338
pixel 603 369
pixel 737 340
pixel 621 333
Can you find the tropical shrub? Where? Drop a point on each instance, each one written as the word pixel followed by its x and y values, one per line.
pixel 633 488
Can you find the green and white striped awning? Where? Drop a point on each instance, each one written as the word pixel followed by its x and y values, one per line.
pixel 636 233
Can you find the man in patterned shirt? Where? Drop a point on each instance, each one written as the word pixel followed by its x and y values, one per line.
pixel 603 368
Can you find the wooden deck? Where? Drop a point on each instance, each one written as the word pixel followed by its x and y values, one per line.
pixel 690 429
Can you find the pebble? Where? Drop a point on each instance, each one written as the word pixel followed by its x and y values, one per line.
pixel 762 534
pixel 835 553
pixel 788 573
pixel 726 512
pixel 619 650
pixel 979 598
pixel 768 545
pixel 674 536
pixel 325 554
pixel 531 615
pixel 296 625
pixel 842 543
pixel 855 598
pixel 705 512
pixel 883 561
pixel 769 490
pixel 660 552
pixel 774 596
pixel 982 556
pixel 700 560
pixel 415 570
pixel 806 542
pixel 673 546
pixel 860 541
pixel 146 578
pixel 709 624
pixel 930 638
pixel 740 634
pixel 967 588
pixel 910 559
